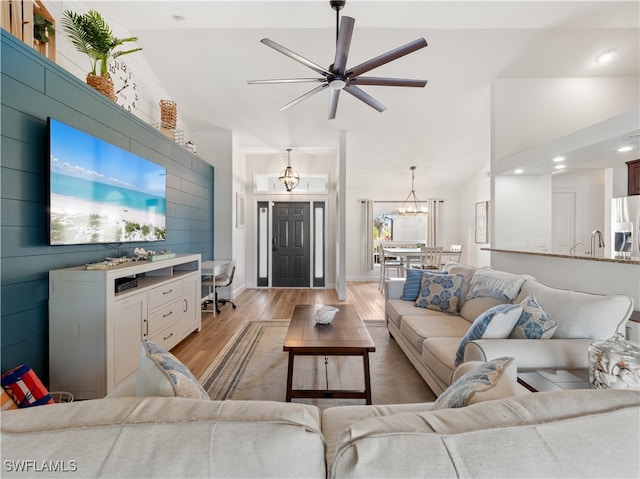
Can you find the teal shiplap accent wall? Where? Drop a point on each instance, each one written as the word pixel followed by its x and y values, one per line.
pixel 33 88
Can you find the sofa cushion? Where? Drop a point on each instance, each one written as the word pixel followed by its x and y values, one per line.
pixel 495 284
pixel 440 291
pixel 495 379
pixel 497 322
pixel 534 323
pixel 475 307
pixel 549 434
pixel 395 309
pixel 417 328
pixel 168 437
pixel 440 355
pixel 467 273
pixel 160 373
pixel 580 315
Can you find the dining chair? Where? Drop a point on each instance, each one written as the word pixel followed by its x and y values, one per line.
pixel 430 257
pixel 455 252
pixel 387 264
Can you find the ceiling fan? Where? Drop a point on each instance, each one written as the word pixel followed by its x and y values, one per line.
pixel 338 77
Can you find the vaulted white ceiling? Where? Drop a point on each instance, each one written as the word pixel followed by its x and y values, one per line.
pixel 205 51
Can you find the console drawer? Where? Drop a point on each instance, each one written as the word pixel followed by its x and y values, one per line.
pixel 165 293
pixel 170 336
pixel 164 316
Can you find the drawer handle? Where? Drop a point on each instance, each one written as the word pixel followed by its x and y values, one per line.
pixel 168 314
pixel 164 339
pixel 167 292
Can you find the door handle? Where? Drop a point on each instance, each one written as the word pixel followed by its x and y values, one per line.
pixel 273 243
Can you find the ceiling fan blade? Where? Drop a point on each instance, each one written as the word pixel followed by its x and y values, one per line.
pixel 342 47
pixel 387 81
pixel 287 80
pixel 387 57
pixel 365 97
pixel 299 58
pixel 317 89
pixel 333 103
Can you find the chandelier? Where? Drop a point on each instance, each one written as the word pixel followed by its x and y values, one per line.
pixel 289 177
pixel 411 207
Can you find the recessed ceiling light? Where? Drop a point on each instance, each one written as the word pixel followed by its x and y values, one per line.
pixel 624 149
pixel 558 159
pixel 605 57
pixel 560 167
pixel 519 171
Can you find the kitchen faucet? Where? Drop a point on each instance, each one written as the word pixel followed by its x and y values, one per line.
pixel 594 234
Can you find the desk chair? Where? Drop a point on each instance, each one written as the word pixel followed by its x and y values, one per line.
pixel 221 281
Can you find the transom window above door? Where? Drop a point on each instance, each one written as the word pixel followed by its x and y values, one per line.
pixel 309 183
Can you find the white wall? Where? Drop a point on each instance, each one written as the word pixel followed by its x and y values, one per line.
pixel 78 64
pixel 477 190
pixel 528 113
pixel 522 210
pixel 588 185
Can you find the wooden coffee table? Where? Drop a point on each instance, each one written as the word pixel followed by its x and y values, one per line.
pixel 346 335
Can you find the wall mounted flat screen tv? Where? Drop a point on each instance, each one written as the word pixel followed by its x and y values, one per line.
pixel 100 193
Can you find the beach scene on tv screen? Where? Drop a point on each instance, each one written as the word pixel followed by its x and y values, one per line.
pixel 101 193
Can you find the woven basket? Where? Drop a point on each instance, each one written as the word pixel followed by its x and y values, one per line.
pixel 168 113
pixel 102 84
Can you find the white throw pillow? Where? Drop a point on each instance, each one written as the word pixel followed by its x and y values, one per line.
pixel 160 373
pixel 495 379
pixel 494 323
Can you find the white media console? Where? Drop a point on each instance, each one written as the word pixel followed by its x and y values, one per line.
pixel 97 319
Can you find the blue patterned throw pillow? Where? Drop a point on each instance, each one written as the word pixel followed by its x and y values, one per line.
pixel 534 322
pixel 160 373
pixel 494 379
pixel 440 291
pixel 413 283
pixel 494 323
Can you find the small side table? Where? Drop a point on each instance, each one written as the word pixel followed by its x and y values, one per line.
pixel 536 380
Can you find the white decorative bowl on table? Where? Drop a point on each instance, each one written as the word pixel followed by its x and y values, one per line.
pixel 325 314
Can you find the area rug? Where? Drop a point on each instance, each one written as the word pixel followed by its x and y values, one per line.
pixel 253 366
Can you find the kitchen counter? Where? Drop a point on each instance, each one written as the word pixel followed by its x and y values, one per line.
pixel 608 259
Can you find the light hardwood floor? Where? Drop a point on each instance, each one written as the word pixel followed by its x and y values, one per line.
pixel 199 349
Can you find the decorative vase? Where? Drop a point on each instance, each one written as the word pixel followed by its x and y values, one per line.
pixel 102 84
pixel 168 114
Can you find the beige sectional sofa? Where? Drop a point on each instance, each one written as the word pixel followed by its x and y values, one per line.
pixel 431 338
pixel 582 433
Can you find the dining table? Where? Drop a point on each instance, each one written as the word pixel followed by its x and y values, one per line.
pixel 405 253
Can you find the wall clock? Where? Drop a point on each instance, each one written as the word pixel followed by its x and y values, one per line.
pixel 125 85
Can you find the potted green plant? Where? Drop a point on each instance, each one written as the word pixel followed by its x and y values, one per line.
pixel 42 28
pixel 91 35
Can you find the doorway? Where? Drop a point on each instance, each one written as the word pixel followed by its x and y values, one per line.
pixel 563 223
pixel 291 245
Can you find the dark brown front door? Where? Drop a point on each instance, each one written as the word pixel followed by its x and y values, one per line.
pixel 290 245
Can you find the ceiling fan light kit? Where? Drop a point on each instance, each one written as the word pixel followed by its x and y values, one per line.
pixel 340 78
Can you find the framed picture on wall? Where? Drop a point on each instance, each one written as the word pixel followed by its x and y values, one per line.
pixel 239 211
pixel 482 227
